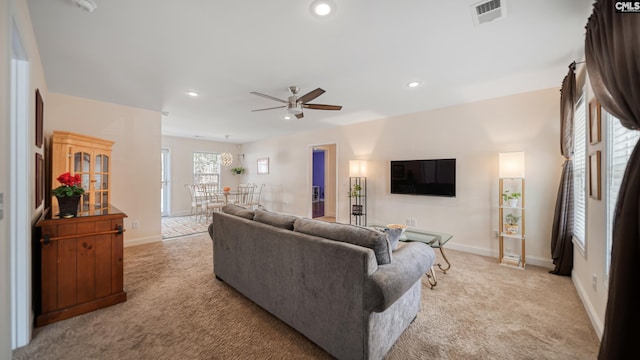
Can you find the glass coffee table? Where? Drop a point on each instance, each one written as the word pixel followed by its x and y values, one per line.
pixel 434 239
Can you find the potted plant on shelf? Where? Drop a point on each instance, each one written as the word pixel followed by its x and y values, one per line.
pixel 68 194
pixel 511 224
pixel 511 198
pixel 237 170
pixel 355 190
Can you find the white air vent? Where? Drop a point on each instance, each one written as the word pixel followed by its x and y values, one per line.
pixel 488 11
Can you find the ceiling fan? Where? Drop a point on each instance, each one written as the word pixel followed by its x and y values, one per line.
pixel 295 104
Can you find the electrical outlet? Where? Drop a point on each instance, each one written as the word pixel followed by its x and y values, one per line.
pixel 407 221
pixel 594 281
pixel 495 233
pixel 135 224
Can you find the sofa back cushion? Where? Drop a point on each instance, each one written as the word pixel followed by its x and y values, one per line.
pixel 375 240
pixel 238 211
pixel 282 221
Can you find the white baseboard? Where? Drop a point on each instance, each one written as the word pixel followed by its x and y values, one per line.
pixel 180 213
pixel 546 263
pixel 142 241
pixel 588 306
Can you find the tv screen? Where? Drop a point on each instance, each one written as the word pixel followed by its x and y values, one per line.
pixel 424 177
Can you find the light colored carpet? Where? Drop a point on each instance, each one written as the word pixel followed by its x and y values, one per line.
pixel 177 226
pixel 176 309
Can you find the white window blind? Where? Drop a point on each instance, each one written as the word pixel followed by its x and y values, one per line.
pixel 206 168
pixel 620 144
pixel 579 172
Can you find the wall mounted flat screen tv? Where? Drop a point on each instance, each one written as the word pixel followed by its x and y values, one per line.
pixel 424 177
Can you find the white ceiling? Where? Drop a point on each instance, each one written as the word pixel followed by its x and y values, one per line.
pixel 147 53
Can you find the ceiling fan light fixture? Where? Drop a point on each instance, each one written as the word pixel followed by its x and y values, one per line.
pixel 294 110
pixel 87 5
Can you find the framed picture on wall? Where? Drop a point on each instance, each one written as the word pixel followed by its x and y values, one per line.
pixel 594 121
pixel 263 166
pixel 594 175
pixel 39 119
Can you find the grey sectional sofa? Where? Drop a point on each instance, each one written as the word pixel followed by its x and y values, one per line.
pixel 339 285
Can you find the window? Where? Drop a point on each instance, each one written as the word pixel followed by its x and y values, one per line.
pixel 206 168
pixel 620 144
pixel 580 172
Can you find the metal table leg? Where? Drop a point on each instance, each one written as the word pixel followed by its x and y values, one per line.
pixel 444 270
pixel 431 277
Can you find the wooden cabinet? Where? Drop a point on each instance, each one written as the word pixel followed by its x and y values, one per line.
pixel 511 223
pixel 78 263
pixel 85 155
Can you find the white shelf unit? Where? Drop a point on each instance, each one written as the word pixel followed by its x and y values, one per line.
pixel 512 241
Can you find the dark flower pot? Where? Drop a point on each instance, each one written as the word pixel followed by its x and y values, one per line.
pixel 68 205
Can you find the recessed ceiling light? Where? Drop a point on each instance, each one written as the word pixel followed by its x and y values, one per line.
pixel 322 7
pixel 287 117
pixel 192 93
pixel 414 84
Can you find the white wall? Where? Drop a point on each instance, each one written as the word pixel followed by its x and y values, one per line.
pixel 181 163
pixel 472 133
pixel 135 155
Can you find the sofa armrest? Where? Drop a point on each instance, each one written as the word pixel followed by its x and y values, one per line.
pixel 391 281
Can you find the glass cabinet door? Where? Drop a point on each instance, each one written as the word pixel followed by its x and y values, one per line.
pixel 94 172
pixel 82 166
pixel 102 180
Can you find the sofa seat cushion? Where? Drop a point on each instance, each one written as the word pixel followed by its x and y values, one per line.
pixel 282 221
pixel 238 211
pixel 357 235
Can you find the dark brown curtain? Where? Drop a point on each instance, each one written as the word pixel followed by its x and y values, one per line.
pixel 562 231
pixel 612 50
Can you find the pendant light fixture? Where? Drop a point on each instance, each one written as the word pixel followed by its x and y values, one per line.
pixel 226 157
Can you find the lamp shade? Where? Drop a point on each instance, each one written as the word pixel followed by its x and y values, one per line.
pixel 511 165
pixel 357 168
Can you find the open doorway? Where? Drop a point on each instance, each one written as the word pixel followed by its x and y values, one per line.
pixel 323 182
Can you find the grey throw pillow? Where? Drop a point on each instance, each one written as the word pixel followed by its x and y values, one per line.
pixel 394 236
pixel 238 211
pixel 282 221
pixel 357 235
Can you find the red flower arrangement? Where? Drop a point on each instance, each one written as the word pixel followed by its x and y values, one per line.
pixel 71 185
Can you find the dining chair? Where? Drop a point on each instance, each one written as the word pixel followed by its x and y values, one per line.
pixel 214 200
pixel 197 201
pixel 257 197
pixel 244 197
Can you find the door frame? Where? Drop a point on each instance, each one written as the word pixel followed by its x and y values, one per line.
pixel 165 157
pixel 20 199
pixel 334 181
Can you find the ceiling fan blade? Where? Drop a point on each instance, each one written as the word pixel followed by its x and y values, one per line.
pixel 269 97
pixel 322 107
pixel 271 108
pixel 310 95
pixel 300 116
